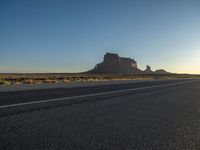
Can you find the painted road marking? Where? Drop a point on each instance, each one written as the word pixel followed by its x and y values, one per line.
pixel 91 95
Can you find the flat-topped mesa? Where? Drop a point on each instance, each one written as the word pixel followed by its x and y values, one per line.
pixel 112 63
pixel 114 59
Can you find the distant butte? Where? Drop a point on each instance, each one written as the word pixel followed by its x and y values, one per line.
pixel 113 64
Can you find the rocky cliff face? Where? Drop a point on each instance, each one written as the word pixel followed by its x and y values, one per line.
pixel 114 64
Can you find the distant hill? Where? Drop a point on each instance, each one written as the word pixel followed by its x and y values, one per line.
pixel 161 71
pixel 113 64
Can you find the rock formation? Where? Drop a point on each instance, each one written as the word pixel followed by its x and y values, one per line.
pixel 148 70
pixel 114 64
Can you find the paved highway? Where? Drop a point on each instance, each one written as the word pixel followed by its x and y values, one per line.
pixel 140 115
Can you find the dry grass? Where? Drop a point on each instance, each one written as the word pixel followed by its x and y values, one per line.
pixel 39 78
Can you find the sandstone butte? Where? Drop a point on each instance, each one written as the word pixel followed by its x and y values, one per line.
pixel 113 64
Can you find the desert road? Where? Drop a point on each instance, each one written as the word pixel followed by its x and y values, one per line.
pixel 145 115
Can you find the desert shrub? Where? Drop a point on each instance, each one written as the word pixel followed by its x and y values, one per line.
pixel 3 82
pixel 28 81
pixel 50 81
pixel 66 81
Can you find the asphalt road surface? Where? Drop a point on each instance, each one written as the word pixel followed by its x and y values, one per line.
pixel 143 115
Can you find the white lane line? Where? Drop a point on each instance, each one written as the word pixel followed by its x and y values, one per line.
pixel 91 95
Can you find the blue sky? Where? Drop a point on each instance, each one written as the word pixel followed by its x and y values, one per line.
pixel 72 36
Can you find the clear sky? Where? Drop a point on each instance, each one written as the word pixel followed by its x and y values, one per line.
pixel 73 35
